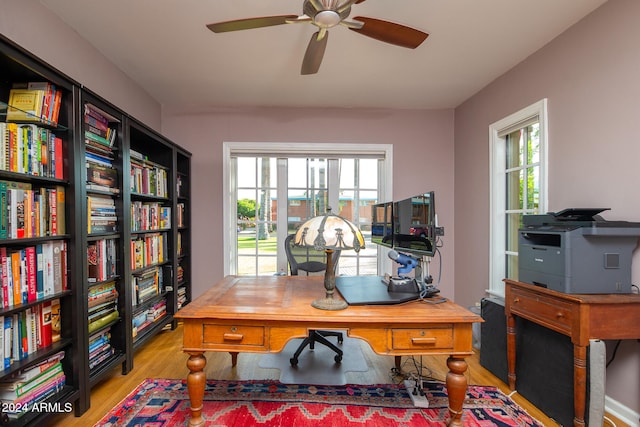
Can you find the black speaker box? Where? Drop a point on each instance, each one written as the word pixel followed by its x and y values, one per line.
pixel 544 361
pixel 493 338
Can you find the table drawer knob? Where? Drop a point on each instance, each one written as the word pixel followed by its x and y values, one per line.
pixel 559 315
pixel 516 300
pixel 233 337
pixel 423 341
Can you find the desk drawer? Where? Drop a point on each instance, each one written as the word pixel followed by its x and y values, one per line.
pixel 433 337
pixel 238 335
pixel 552 312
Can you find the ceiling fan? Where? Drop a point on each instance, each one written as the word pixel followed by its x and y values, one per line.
pixel 326 14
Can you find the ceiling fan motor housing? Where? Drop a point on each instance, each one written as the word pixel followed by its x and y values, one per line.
pixel 326 18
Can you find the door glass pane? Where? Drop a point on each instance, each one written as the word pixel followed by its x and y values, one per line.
pixel 247 265
pixel 267 265
pixel 259 250
pixel 347 173
pixel 246 172
pixel 368 174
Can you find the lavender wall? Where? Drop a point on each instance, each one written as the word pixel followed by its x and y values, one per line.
pixel 422 152
pixel 47 37
pixel 590 75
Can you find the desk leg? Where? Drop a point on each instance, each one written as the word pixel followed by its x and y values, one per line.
pixel 511 350
pixel 456 388
pixel 196 381
pixel 579 384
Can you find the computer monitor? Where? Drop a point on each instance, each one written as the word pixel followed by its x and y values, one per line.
pixel 414 224
pixel 382 224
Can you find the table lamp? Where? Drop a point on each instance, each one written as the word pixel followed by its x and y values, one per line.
pixel 329 232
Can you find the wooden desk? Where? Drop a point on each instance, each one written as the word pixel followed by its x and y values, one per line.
pixel 579 316
pixel 260 314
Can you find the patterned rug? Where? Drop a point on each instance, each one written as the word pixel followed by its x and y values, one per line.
pixel 165 403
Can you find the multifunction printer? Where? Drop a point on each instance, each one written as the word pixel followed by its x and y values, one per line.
pixel 577 251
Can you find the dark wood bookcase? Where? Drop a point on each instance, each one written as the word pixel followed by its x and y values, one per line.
pixel 151 233
pixel 107 300
pixel 183 228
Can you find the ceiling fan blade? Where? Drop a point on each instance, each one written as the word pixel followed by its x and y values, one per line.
pixel 314 54
pixel 317 5
pixel 390 32
pixel 249 23
pixel 359 1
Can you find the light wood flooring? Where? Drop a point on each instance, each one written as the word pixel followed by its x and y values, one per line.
pixel 162 357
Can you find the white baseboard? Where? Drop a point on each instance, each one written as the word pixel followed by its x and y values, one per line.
pixel 623 413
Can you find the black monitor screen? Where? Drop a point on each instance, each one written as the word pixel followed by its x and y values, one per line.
pixel 414 224
pixel 382 224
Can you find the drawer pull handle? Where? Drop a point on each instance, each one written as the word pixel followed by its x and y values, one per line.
pixel 233 337
pixel 516 300
pixel 560 315
pixel 423 341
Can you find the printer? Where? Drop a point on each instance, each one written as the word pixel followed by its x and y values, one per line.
pixel 577 251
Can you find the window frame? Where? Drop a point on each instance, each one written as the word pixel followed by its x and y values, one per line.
pixel 497 185
pixel 282 149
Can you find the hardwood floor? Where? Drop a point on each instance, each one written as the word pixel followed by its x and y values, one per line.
pixel 162 357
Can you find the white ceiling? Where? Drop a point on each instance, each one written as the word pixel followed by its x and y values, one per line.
pixel 164 46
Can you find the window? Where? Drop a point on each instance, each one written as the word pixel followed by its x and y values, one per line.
pixel 518 165
pixel 273 189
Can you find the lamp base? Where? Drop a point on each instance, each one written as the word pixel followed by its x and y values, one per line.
pixel 329 304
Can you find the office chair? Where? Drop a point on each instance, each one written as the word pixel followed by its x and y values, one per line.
pixel 300 259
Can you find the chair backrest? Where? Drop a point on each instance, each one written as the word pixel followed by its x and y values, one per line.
pixel 306 259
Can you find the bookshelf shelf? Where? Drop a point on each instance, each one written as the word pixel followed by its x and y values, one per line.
pixel 89 169
pixel 28 117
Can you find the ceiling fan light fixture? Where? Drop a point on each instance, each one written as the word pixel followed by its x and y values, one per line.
pixel 327 19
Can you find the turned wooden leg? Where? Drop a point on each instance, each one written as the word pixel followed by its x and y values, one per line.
pixel 234 358
pixel 398 362
pixel 579 384
pixel 456 388
pixel 196 381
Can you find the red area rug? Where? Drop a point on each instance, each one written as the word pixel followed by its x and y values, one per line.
pixel 165 403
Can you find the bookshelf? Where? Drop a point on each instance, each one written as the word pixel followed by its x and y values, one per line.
pixel 95 194
pixel 151 235
pixel 183 228
pixel 40 293
pixel 104 345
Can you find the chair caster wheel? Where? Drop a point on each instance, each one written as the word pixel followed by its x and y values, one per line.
pixel 338 358
pixel 293 361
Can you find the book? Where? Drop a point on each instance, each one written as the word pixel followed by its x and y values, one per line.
pixel 25 105
pixel 31 372
pixel 46 336
pixel 21 388
pixel 60 193
pixel 56 320
pixel 101 175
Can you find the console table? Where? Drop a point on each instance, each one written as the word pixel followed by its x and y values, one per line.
pixel 260 314
pixel 580 316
